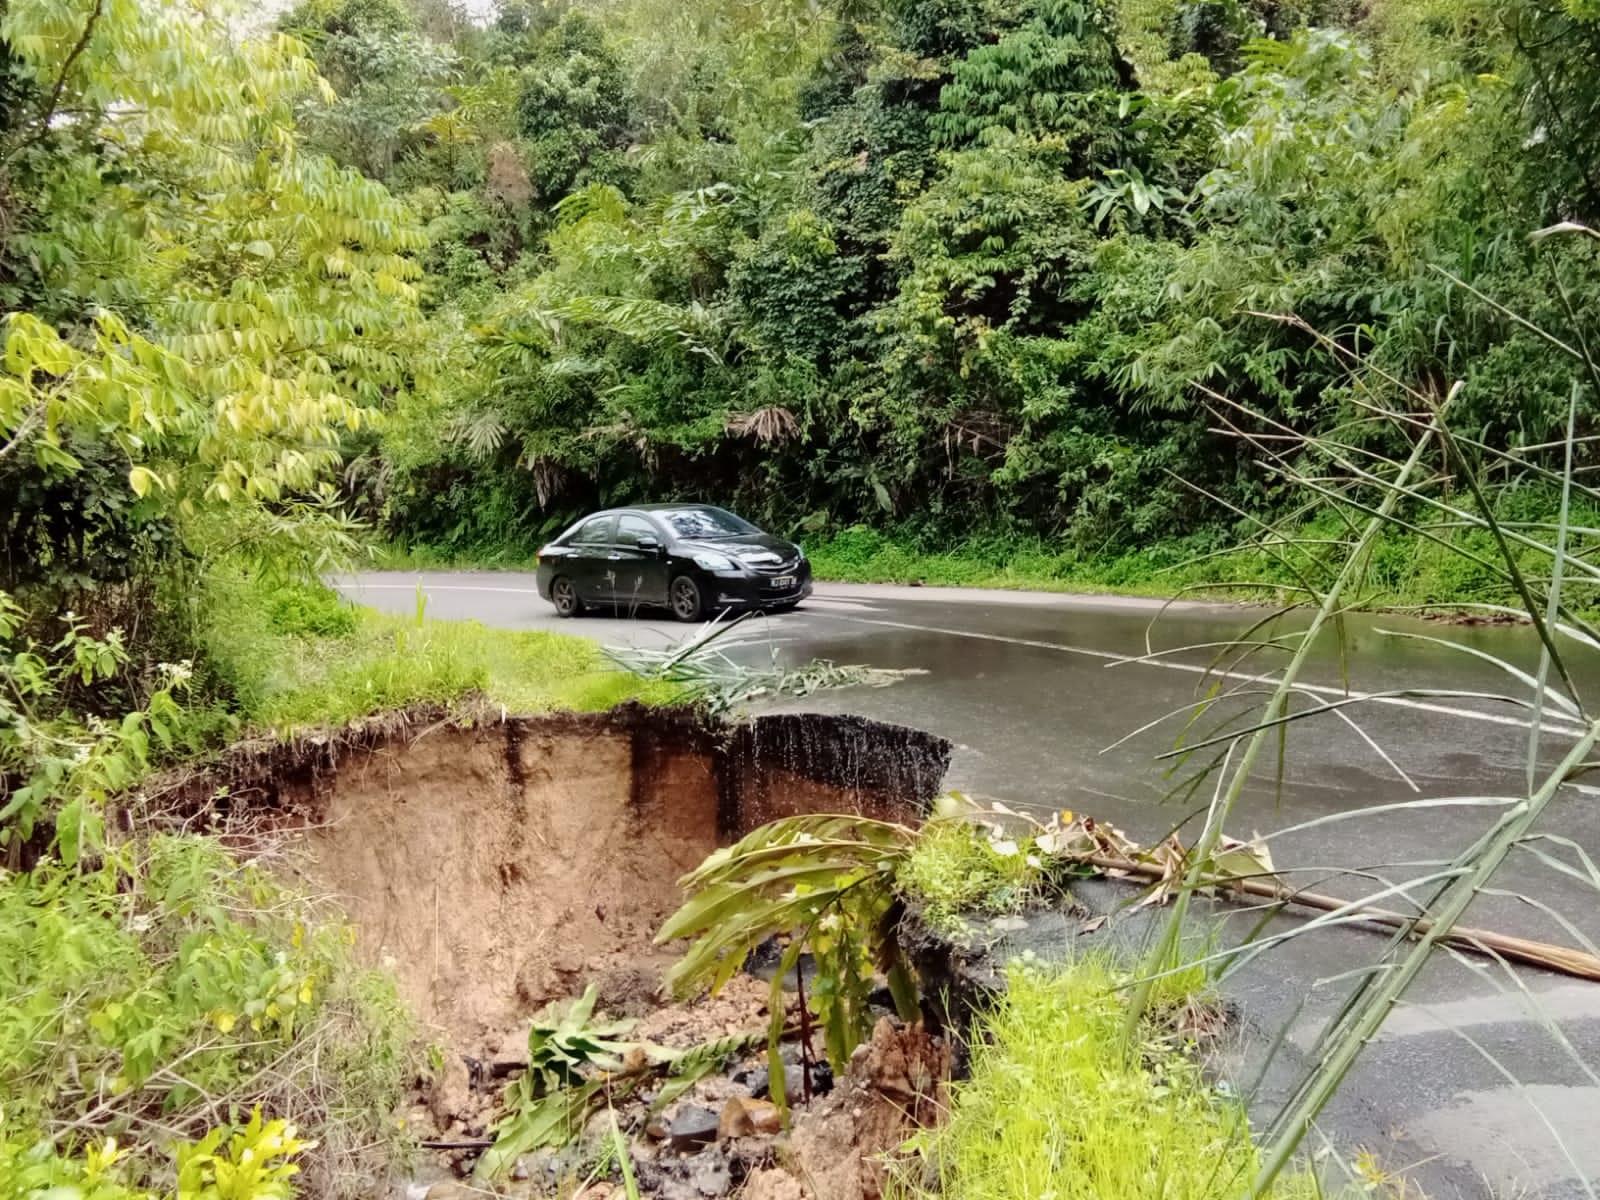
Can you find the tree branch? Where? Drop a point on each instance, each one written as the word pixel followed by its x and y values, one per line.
pixel 48 113
pixel 30 424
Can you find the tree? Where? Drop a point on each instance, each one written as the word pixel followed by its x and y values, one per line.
pixel 223 305
pixel 573 111
pixel 389 77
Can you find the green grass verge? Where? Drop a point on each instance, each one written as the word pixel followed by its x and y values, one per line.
pixel 295 655
pixel 191 988
pixel 1402 571
pixel 1060 1105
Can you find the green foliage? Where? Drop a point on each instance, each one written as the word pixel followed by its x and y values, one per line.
pixel 573 110
pixel 1054 76
pixel 1059 1104
pixel 825 883
pixel 310 610
pixel 297 657
pixel 548 1103
pixel 58 768
pixel 956 870
pixel 980 262
pixel 256 1163
pixel 576 1067
pixel 170 988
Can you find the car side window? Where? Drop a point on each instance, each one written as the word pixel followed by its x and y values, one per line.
pixel 594 532
pixel 632 530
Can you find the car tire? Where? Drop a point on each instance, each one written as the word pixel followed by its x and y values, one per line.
pixel 564 595
pixel 686 599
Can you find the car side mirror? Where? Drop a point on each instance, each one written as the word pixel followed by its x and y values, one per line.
pixel 650 545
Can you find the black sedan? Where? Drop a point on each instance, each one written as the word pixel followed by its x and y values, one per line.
pixel 692 558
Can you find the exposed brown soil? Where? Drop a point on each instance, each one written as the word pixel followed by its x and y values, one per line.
pixel 499 869
pixel 497 865
pixel 500 864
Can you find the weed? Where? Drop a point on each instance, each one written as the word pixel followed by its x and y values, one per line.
pixel 309 609
pixel 171 989
pixel 296 676
pixel 1060 1104
pixel 823 882
pixel 957 869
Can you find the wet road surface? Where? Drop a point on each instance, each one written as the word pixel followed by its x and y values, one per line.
pixel 1040 695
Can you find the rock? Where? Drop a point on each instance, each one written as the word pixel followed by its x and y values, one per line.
pixel 754 1078
pixel 747 1118
pixel 629 991
pixel 821 1078
pixel 773 1184
pixel 451 1094
pixel 424 1175
pixel 711 1177
pixel 691 1128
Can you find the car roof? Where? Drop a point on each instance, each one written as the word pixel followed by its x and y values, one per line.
pixel 672 507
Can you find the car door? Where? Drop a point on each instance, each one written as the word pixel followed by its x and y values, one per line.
pixel 638 562
pixel 590 560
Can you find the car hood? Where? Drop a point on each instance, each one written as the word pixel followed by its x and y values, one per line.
pixel 757 549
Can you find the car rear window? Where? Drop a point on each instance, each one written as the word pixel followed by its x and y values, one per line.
pixel 595 530
pixel 706 523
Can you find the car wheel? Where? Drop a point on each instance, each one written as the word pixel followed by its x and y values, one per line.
pixel 564 595
pixel 687 601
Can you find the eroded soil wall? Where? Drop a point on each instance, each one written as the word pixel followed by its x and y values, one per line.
pixel 500 865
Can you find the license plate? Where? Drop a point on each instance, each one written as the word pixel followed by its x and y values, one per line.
pixel 781 581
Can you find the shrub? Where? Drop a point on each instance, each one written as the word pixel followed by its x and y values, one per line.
pixel 171 990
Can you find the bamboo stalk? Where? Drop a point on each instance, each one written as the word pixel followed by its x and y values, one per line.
pixel 1547 955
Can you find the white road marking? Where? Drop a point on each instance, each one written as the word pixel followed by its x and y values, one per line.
pixel 1560 730
pixel 438 587
pixel 1564 730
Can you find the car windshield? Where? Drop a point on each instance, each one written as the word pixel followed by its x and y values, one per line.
pixel 706 523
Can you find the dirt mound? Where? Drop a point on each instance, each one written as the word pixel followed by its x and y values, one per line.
pixel 840 1149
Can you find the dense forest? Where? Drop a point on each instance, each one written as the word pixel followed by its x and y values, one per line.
pixel 978 269
pixel 960 269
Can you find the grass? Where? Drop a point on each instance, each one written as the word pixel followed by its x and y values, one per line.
pixel 155 991
pixel 955 871
pixel 295 655
pixel 168 993
pixel 1402 570
pixel 1059 1105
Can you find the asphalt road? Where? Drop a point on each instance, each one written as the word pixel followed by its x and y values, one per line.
pixel 1050 702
